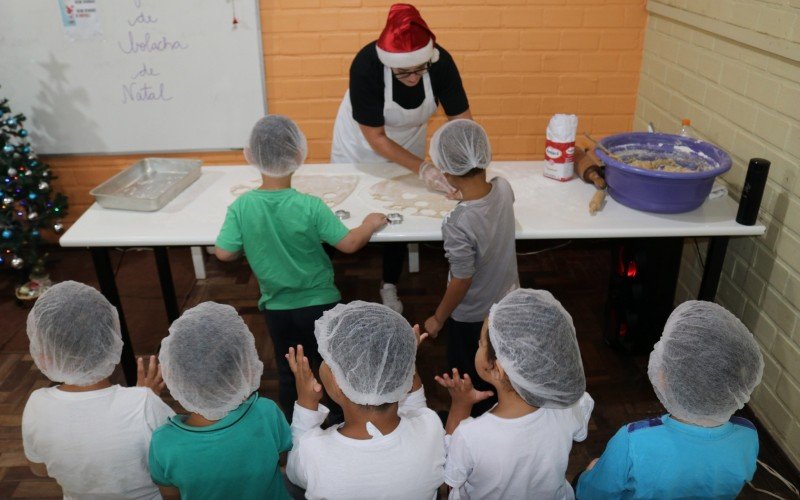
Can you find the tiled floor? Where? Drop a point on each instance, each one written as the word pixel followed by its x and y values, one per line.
pixel 576 274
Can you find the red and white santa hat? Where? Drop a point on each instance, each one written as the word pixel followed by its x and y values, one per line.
pixel 406 41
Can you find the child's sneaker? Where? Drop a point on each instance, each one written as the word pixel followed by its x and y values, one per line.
pixel 390 299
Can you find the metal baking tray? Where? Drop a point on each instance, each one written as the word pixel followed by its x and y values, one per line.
pixel 148 184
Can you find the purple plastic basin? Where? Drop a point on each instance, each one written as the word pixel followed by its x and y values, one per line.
pixel 658 191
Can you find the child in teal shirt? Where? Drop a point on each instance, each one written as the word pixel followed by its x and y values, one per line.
pixel 703 369
pixel 230 443
pixel 281 232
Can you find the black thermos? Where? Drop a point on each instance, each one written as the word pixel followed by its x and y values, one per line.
pixel 752 191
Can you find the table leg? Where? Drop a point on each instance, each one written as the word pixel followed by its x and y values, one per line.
pixel 108 286
pixel 715 257
pixel 198 263
pixel 167 286
pixel 413 257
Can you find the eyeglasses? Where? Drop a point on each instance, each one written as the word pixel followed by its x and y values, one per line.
pixel 400 75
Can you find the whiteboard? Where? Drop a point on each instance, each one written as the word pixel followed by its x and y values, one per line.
pixel 119 76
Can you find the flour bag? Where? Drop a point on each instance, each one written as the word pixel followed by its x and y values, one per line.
pixel 560 147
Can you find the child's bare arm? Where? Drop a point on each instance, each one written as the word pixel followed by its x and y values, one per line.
pixel 463 396
pixel 169 492
pixel 38 469
pixel 456 291
pixel 416 383
pixel 225 255
pixel 358 237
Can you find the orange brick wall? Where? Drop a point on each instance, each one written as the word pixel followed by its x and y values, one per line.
pixel 521 62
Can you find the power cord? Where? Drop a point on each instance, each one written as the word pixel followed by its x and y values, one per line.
pixel 699 255
pixel 556 247
pixel 772 471
pixel 123 251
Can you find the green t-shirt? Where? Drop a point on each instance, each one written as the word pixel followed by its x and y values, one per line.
pixel 237 457
pixel 281 233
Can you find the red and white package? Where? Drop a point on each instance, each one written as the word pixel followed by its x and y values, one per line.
pixel 560 147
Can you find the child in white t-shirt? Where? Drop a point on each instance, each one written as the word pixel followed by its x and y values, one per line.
pixel 390 444
pixel 89 435
pixel 520 448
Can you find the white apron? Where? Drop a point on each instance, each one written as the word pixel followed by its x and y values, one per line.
pixel 406 127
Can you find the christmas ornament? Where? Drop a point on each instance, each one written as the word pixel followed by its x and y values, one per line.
pixel 30 206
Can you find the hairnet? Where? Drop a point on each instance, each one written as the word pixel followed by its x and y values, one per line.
pixel 534 339
pixel 209 360
pixel 74 334
pixel 706 363
pixel 370 349
pixel 459 146
pixel 277 146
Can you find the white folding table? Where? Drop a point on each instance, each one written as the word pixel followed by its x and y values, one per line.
pixel 544 209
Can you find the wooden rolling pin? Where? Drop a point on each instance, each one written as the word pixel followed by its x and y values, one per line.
pixel 596 203
pixel 587 166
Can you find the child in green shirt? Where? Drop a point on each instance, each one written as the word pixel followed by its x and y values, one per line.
pixel 281 232
pixel 230 443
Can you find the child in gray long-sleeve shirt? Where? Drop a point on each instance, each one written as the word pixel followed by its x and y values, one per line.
pixel 479 243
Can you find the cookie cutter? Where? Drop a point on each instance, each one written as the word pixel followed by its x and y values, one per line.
pixel 394 218
pixel 342 214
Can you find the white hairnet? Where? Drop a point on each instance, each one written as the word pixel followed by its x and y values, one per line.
pixel 370 349
pixel 74 334
pixel 706 363
pixel 459 146
pixel 209 360
pixel 534 340
pixel 277 146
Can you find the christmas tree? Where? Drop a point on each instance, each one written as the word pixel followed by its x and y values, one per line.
pixel 28 205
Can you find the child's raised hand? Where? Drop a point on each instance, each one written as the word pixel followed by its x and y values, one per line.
pixel 309 391
pixel 461 390
pixel 150 378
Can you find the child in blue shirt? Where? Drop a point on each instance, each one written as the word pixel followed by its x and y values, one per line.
pixel 703 369
pixel 230 443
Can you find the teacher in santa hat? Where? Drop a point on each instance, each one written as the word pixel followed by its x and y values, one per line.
pixel 396 84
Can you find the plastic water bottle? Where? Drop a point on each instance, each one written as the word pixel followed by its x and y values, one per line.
pixel 686 128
